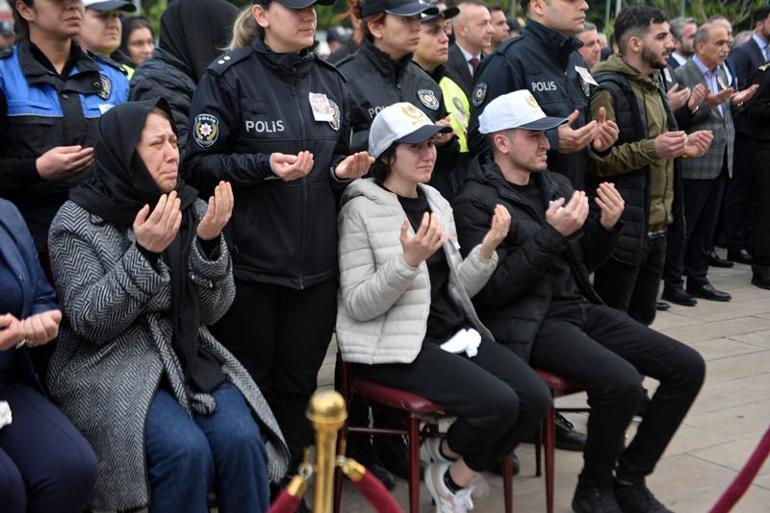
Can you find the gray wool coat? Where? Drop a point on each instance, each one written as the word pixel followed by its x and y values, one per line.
pixel 115 347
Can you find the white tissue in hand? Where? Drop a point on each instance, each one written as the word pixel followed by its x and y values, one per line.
pixel 464 341
pixel 5 414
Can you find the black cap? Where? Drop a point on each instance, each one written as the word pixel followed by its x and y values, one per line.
pixel 397 7
pixel 447 14
pixel 295 4
pixel 109 5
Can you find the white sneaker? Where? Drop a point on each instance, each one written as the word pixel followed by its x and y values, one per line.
pixel 433 448
pixel 479 487
pixel 446 501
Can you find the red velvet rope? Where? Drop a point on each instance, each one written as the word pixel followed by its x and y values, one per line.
pixel 285 503
pixel 745 477
pixel 377 495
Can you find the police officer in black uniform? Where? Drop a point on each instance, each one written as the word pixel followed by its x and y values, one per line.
pixel 272 119
pixel 758 111
pixel 382 73
pixel 542 61
pixel 51 95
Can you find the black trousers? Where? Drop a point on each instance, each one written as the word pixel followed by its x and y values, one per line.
pixel 609 352
pixel 634 288
pixel 736 219
pixel 281 336
pixel 497 398
pixel 761 246
pixel 690 256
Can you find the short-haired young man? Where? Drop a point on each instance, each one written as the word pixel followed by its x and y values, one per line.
pixel 643 162
pixel 540 304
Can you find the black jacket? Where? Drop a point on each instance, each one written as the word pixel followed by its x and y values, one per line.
pixel 758 110
pixel 744 60
pixel 250 103
pixel 517 297
pixel 40 110
pixel 376 81
pixel 165 76
pixel 540 60
pixel 634 184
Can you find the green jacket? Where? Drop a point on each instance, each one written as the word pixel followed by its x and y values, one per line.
pixel 626 157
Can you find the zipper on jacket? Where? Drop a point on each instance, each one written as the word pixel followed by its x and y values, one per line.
pixel 303 207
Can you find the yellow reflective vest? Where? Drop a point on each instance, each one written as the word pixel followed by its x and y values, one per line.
pixel 459 109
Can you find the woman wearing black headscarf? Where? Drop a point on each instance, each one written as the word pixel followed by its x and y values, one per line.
pixel 192 34
pixel 141 269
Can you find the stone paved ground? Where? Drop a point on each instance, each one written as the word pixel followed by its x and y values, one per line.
pixel 730 415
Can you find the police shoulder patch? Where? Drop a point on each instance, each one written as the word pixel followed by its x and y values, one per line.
pixel 205 130
pixel 105 86
pixel 479 94
pixel 428 98
pixel 336 115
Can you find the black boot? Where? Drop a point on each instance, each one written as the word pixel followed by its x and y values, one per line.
pixel 567 439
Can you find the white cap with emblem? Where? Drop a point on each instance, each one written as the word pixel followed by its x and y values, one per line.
pixel 518 109
pixel 401 123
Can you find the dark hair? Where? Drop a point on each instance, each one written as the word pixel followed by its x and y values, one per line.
pixel 20 25
pixel 496 8
pixel 760 15
pixel 129 24
pixel 635 21
pixel 380 170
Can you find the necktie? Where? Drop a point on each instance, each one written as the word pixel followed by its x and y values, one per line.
pixel 474 62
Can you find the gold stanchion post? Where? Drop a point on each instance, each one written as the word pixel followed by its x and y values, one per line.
pixel 327 412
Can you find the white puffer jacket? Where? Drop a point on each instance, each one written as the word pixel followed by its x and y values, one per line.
pixel 383 301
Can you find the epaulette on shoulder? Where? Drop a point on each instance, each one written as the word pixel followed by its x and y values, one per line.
pixel 227 59
pixel 764 67
pixel 6 52
pixel 345 59
pixel 102 59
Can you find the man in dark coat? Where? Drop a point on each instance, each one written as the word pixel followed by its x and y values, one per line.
pixel 540 304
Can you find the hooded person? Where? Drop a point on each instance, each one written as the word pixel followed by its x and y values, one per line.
pixel 192 34
pixel 142 267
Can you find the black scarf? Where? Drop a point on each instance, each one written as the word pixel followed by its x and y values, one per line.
pixel 196 32
pixel 119 186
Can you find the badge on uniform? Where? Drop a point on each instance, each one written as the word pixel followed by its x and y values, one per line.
pixel 205 130
pixel 336 115
pixel 428 98
pixel 479 94
pixel 321 107
pixel 460 113
pixel 586 79
pixel 105 87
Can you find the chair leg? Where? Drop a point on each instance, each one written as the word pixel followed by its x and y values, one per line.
pixel 414 465
pixel 550 449
pixel 507 472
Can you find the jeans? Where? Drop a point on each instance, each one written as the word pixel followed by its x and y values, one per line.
pixel 187 457
pixel 46 466
pixel 634 288
pixel 497 398
pixel 608 352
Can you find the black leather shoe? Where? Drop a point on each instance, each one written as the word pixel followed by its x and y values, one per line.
pixel 635 497
pixel 717 261
pixel 567 439
pixel 589 499
pixel 662 306
pixel 761 278
pixel 707 291
pixel 393 452
pixel 363 452
pixel 741 256
pixel 678 296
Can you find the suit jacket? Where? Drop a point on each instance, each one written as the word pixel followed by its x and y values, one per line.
pixel 673 63
pixel 457 68
pixel 710 165
pixel 18 251
pixel 744 61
